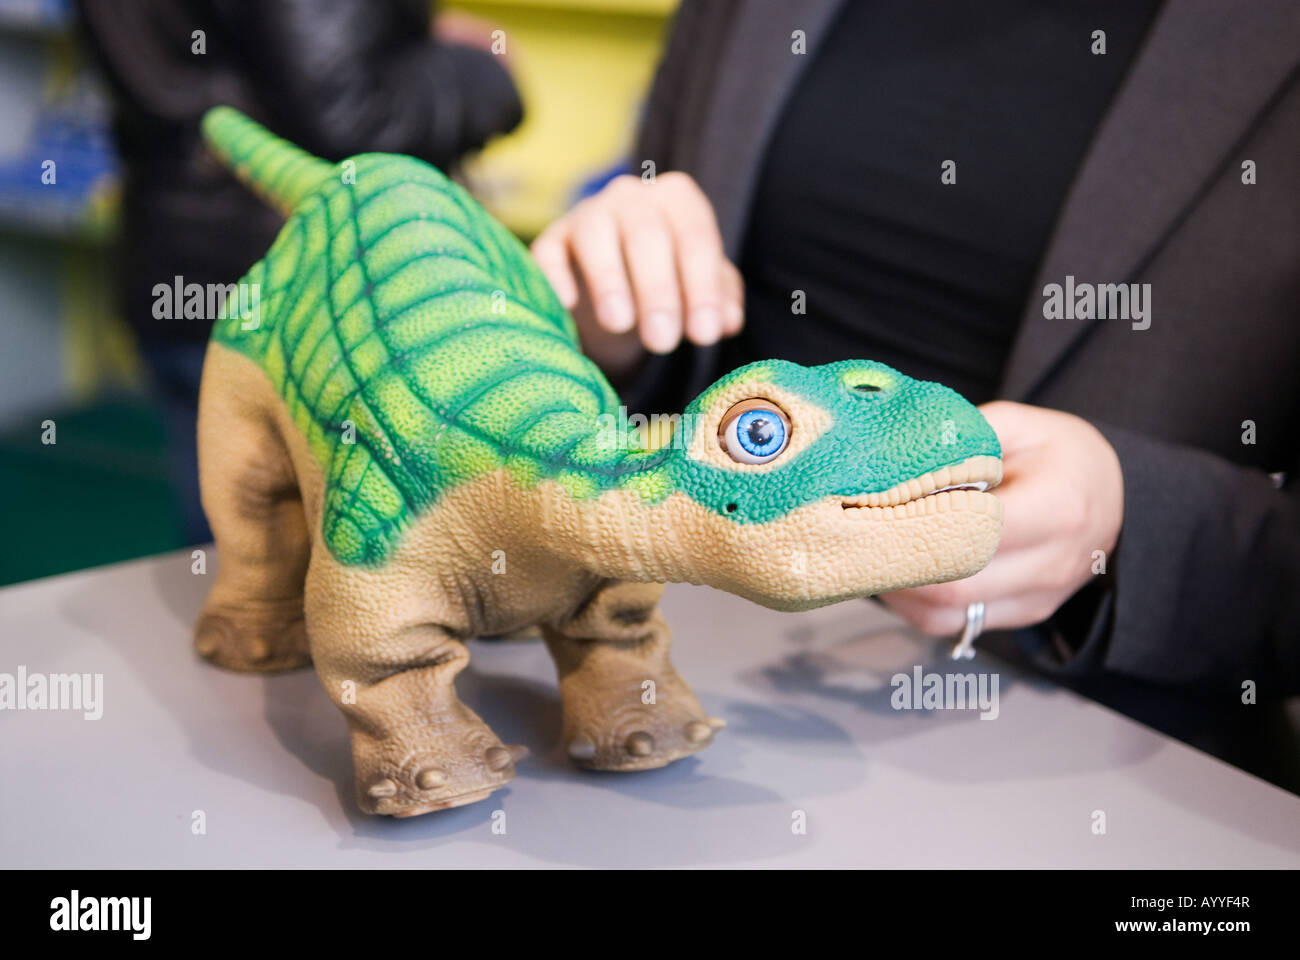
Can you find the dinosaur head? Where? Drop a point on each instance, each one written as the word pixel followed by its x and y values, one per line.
pixel 809 485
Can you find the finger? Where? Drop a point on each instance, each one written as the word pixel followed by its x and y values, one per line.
pixel 1005 613
pixel 699 256
pixel 1014 424
pixel 733 298
pixel 652 267
pixel 1044 569
pixel 928 618
pixel 551 251
pixel 599 254
pixel 1033 507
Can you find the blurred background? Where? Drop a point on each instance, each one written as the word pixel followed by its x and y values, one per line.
pixel 104 491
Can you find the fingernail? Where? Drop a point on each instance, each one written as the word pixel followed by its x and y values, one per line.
pixel 616 313
pixel 735 316
pixel 660 332
pixel 706 322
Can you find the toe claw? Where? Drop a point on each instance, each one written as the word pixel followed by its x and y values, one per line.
pixel 381 788
pixel 430 777
pixel 258 650
pixel 717 723
pixel 517 752
pixel 581 748
pixel 640 744
pixel 697 731
pixel 498 758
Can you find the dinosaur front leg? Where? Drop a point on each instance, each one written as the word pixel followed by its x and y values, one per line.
pixel 625 707
pixel 415 747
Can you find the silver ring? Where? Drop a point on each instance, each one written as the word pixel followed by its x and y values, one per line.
pixel 965 648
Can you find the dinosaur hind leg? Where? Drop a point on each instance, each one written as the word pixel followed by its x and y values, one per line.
pixel 625 707
pixel 253 617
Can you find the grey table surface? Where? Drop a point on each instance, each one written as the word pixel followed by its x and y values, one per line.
pixel 812 741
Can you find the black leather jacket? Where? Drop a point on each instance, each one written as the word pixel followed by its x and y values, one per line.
pixel 338 77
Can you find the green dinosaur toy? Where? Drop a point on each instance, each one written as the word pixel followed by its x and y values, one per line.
pixel 404 441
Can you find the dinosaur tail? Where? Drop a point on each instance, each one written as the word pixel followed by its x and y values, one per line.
pixel 277 171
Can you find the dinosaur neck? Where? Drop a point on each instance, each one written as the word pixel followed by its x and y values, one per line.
pixel 621 533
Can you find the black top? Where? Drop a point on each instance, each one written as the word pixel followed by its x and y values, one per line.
pixel 850 207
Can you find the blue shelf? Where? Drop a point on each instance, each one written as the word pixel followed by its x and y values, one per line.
pixel 36 16
pixel 85 169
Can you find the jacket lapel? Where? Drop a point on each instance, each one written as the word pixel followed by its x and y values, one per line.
pixel 746 102
pixel 1200 81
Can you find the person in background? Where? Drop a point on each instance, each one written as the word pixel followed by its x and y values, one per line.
pixel 338 77
pixel 909 182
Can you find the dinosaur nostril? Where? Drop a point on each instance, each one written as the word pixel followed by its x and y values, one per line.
pixel 866 388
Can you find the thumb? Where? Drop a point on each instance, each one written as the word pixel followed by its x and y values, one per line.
pixel 1014 424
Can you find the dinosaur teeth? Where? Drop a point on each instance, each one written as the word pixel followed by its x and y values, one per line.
pixel 951 487
pixel 980 485
pixel 964 498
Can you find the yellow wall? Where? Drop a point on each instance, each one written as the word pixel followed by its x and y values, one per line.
pixel 583 68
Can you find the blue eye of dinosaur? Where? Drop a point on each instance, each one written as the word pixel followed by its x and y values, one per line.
pixel 755 434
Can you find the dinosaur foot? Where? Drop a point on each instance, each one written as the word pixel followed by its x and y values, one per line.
pixel 638 736
pixel 253 640
pixel 401 779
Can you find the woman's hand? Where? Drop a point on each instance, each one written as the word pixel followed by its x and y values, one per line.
pixel 460 29
pixel 1062 494
pixel 641 264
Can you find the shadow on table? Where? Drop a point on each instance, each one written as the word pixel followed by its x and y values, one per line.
pixel 827 698
pixel 623 809
pixel 839 665
pixel 617 812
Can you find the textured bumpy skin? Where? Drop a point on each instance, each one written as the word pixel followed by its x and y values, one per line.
pixel 403 448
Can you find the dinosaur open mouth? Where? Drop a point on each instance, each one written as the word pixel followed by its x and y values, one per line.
pixel 962 486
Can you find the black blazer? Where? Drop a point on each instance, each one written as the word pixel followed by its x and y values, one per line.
pixel 1203 593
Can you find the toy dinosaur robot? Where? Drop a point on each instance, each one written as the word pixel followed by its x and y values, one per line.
pixel 404 448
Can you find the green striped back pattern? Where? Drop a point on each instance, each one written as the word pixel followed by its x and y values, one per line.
pixel 393 307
